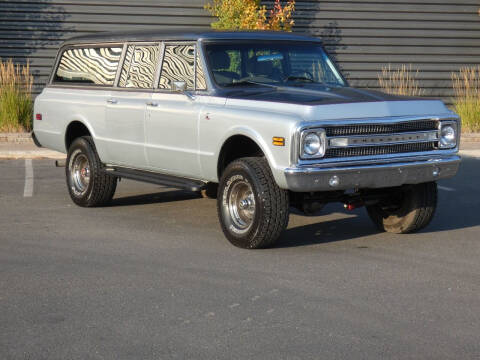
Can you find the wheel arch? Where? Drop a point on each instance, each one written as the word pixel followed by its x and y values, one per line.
pixel 76 129
pixel 240 144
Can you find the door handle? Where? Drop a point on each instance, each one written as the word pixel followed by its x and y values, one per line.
pixel 112 101
pixel 151 103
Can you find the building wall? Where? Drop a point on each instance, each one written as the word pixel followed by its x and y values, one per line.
pixel 434 36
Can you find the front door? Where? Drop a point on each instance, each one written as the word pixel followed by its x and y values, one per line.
pixel 171 134
pixel 171 123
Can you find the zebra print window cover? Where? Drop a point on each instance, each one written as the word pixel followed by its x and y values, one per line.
pixel 139 66
pixel 178 65
pixel 200 83
pixel 89 66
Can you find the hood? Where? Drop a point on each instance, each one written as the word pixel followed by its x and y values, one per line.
pixel 333 103
pixel 311 95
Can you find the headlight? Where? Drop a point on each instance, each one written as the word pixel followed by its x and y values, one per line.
pixel 313 143
pixel 448 135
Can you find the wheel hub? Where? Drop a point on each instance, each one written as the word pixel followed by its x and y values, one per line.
pixel 245 203
pixel 241 205
pixel 79 173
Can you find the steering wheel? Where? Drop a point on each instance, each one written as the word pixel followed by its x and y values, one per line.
pixel 299 75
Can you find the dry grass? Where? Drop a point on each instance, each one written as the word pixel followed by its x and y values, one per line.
pixel 466 85
pixel 400 82
pixel 15 97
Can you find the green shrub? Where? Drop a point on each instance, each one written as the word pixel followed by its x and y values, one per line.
pixel 15 97
pixel 466 85
pixel 250 15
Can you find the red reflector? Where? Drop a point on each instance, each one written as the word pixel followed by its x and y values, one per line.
pixel 38 116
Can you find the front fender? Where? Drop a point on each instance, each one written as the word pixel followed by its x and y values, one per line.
pixel 218 124
pixel 251 134
pixel 210 163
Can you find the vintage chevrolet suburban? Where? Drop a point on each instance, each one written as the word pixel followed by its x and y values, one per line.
pixel 262 121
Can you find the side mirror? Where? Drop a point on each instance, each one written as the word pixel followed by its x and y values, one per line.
pixel 179 86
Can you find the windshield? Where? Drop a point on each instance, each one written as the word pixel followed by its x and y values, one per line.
pixel 272 63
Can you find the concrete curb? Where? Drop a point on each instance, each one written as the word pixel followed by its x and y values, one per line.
pixel 49 154
pixel 26 138
pixel 31 154
pixel 470 138
pixel 475 153
pixel 16 138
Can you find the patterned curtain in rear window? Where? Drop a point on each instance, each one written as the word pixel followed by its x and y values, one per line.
pixel 178 65
pixel 139 67
pixel 200 83
pixel 96 66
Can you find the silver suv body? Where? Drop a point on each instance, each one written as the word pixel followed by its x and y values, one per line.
pixel 181 108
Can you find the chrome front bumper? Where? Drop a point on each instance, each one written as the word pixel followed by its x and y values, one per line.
pixel 311 178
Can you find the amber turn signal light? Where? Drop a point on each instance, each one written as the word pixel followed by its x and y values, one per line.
pixel 278 141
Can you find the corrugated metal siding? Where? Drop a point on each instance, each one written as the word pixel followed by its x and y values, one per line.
pixel 435 36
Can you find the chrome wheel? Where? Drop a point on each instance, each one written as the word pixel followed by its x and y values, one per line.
pixel 252 209
pixel 79 169
pixel 241 205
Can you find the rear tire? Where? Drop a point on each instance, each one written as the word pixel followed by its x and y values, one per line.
pixel 252 209
pixel 411 209
pixel 88 185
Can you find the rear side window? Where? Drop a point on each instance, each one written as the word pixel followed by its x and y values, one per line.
pixel 88 66
pixel 200 83
pixel 139 66
pixel 178 65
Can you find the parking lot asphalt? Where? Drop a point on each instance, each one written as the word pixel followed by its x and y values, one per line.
pixel 152 277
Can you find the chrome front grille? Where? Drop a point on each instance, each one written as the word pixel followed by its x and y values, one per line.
pixel 368 129
pixel 357 140
pixel 380 150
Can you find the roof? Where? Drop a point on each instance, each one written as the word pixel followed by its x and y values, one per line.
pixel 156 35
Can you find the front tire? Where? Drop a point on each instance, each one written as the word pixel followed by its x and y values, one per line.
pixel 410 209
pixel 252 209
pixel 88 185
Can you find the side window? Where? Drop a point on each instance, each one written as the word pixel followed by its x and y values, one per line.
pixel 226 65
pixel 89 66
pixel 178 65
pixel 139 66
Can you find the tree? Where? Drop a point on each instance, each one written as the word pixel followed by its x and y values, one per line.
pixel 251 15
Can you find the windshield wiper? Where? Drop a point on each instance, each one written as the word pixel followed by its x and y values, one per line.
pixel 299 78
pixel 246 82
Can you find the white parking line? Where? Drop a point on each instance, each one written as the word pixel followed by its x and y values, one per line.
pixel 446 188
pixel 28 190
